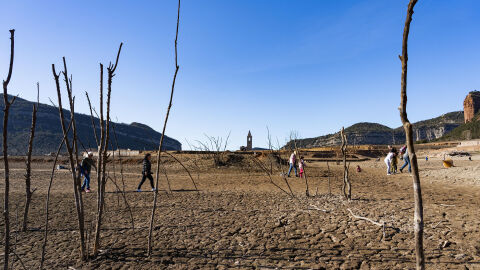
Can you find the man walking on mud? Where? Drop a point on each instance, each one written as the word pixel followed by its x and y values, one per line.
pixel 86 169
pixel 293 163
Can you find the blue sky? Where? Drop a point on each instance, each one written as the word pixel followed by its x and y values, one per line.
pixel 310 66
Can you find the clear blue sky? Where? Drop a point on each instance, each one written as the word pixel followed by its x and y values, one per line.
pixel 310 66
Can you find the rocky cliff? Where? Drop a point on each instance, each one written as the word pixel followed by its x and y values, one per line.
pixel 48 133
pixel 373 133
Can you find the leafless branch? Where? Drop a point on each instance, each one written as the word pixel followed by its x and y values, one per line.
pixel 418 215
pixel 150 232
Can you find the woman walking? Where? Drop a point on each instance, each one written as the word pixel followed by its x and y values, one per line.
pixel 406 159
pixel 146 172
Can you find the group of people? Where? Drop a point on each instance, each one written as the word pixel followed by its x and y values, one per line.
pixel 293 165
pixel 87 163
pixel 391 159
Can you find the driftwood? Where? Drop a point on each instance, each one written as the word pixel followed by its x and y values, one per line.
pixel 314 207
pixel 418 215
pixel 6 110
pixel 47 200
pixel 382 224
pixel 152 217
pixel 28 191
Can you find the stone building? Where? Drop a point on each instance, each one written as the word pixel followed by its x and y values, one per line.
pixel 249 141
pixel 471 105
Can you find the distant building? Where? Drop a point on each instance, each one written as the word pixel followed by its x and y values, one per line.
pixel 471 105
pixel 249 141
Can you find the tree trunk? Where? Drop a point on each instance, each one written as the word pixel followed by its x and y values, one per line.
pixel 6 213
pixel 103 153
pixel 28 191
pixel 346 188
pixel 417 191
pixel 73 160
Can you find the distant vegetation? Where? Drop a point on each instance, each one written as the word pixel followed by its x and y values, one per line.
pixel 470 130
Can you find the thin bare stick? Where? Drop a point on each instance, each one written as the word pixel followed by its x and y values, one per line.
pixel 28 190
pixel 94 127
pixel 47 201
pixel 417 190
pixel 6 110
pixel 150 232
pixel 166 177
pixel 104 159
pixel 176 159
pixel 72 153
pixel 125 201
pixel 328 174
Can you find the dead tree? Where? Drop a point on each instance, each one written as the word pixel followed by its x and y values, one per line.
pixel 47 200
pixel 103 147
pixel 293 138
pixel 346 188
pixel 150 232
pixel 213 148
pixel 417 191
pixel 72 149
pixel 28 191
pixel 6 110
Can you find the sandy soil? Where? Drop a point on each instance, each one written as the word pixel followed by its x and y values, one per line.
pixel 240 220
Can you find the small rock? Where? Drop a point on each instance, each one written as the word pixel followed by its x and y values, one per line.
pixel 460 256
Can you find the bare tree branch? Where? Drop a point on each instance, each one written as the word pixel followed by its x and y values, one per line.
pixel 417 191
pixel 6 110
pixel 149 251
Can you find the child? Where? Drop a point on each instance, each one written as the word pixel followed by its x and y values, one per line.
pixel 301 165
pixel 388 161
pixel 394 162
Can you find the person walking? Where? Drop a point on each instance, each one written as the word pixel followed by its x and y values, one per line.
pixel 388 161
pixel 406 160
pixel 146 172
pixel 301 167
pixel 85 170
pixel 293 163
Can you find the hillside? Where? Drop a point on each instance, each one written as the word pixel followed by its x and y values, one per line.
pixel 467 131
pixel 48 132
pixel 374 133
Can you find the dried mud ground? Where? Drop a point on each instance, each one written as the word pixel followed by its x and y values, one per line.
pixel 238 219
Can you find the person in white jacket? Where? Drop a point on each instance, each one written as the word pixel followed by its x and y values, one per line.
pixel 388 161
pixel 293 163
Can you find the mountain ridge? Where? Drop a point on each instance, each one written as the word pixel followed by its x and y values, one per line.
pixel 378 134
pixel 48 132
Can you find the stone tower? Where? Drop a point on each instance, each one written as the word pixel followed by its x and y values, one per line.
pixel 249 141
pixel 471 105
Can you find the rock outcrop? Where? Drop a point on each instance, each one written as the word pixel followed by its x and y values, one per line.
pixel 471 105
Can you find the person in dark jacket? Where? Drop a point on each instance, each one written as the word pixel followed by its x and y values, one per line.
pixel 146 173
pixel 86 169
